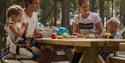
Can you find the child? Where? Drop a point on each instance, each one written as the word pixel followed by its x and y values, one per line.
pixel 15 28
pixel 113 26
pixel 86 23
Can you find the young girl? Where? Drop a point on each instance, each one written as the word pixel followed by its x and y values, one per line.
pixel 86 23
pixel 15 28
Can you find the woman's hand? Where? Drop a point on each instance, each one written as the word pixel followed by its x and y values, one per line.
pixel 38 33
pixel 86 35
pixel 81 35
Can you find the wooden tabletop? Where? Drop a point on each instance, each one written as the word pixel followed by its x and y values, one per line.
pixel 78 41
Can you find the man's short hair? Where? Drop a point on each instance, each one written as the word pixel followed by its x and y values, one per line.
pixel 80 2
pixel 27 2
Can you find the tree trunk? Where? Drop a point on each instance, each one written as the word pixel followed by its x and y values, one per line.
pixel 44 6
pixel 55 13
pixel 65 13
pixel 122 12
pixel 101 2
pixel 3 7
pixel 92 8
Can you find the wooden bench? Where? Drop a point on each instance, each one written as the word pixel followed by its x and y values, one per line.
pixel 117 60
pixel 28 61
pixel 11 61
pixel 19 61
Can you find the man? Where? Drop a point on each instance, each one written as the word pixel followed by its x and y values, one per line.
pixel 30 17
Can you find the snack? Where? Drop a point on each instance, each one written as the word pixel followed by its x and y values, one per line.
pixel 66 35
pixel 107 35
pixel 90 36
pixel 53 35
pixel 60 36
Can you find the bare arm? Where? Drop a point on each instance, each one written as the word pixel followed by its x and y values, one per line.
pixel 75 28
pixel 99 26
pixel 18 32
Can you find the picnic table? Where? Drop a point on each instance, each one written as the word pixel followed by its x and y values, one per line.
pixel 82 42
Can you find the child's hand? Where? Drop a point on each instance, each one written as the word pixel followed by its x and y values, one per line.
pixel 28 44
pixel 24 24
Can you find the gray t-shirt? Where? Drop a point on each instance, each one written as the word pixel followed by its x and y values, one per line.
pixel 117 35
pixel 87 25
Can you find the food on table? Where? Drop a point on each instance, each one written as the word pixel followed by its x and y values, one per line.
pixel 90 36
pixel 53 35
pixel 107 35
pixel 60 36
pixel 66 35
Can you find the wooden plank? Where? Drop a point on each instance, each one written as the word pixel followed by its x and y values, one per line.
pixel 79 41
pixel 117 60
pixel 28 61
pixel 55 41
pixel 122 47
pixel 12 61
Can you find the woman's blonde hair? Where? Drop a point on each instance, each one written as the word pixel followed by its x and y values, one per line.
pixel 14 10
pixel 114 20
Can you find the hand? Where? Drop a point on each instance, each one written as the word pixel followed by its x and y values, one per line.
pixel 82 35
pixel 90 36
pixel 27 44
pixel 24 24
pixel 102 35
pixel 38 34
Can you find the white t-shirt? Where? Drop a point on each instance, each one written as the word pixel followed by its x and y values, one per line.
pixel 87 25
pixel 32 22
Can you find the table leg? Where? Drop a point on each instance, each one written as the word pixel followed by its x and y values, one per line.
pixel 89 55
